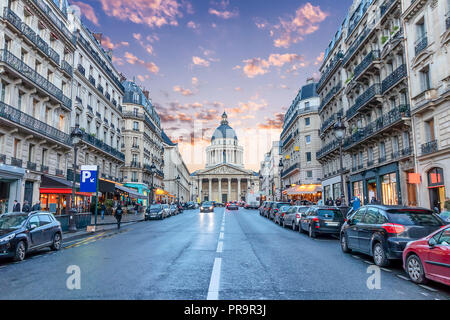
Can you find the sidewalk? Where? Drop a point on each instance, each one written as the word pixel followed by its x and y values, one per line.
pixel 109 223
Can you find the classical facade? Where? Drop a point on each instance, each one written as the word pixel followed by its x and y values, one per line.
pixel 142 144
pixel 175 167
pixel 300 141
pixel 269 174
pixel 224 178
pixel 35 102
pixel 364 81
pixel 427 32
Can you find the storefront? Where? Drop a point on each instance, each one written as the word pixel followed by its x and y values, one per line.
pixel 142 189
pixel 127 196
pixel 332 188
pixel 10 186
pixel 380 184
pixel 436 188
pixel 308 192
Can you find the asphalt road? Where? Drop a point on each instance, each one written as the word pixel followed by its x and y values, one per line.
pixel 220 255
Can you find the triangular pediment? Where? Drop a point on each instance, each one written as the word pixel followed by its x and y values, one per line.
pixel 224 169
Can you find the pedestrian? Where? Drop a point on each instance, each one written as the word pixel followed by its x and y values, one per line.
pixel 331 202
pixel 338 202
pixel 16 207
pixel 102 211
pixel 26 207
pixel 356 203
pixel 36 206
pixel 118 215
pixel 374 200
pixel 136 209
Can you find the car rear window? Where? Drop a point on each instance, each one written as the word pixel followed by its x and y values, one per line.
pixel 325 213
pixel 155 206
pixel 413 218
pixel 279 205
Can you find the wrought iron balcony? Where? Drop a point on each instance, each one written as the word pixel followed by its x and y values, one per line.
pixel 19 66
pixel 108 96
pixel 100 88
pixel 394 78
pixel 33 124
pixel 135 146
pixel 367 61
pixel 327 123
pixel 290 169
pixel 421 44
pixel 330 147
pixel 2 158
pixel 286 141
pixel 430 147
pixel 102 146
pixel 92 80
pixel 385 6
pixel 370 163
pixel 393 116
pixel 16 162
pixel 70 177
pixel 356 44
pixel 31 166
pixel 135 164
pixel 44 169
pixel 406 151
pixel 81 69
pixel 363 99
pixel 30 34
pixel 333 64
pixel 59 172
pixel 382 159
pixel 330 95
pixel 65 66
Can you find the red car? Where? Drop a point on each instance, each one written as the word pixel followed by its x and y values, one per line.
pixel 429 258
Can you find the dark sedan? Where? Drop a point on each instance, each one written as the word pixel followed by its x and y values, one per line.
pixel 21 233
pixel 384 231
pixel 322 220
pixel 207 206
pixel 232 206
pixel 276 206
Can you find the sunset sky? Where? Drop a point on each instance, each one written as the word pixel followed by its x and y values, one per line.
pixel 201 57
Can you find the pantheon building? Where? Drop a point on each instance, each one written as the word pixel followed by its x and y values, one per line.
pixel 224 178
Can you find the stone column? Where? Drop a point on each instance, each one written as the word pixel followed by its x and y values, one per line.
pixel 229 190
pixel 220 189
pixel 239 189
pixel 210 189
pixel 200 190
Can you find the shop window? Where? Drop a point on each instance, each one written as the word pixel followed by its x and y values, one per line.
pixel 389 188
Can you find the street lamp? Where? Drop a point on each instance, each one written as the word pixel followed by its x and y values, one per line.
pixel 281 165
pixel 152 172
pixel 76 135
pixel 178 190
pixel 190 193
pixel 339 133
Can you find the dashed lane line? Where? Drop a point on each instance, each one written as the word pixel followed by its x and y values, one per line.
pixel 403 277
pixel 220 247
pixel 428 288
pixel 213 290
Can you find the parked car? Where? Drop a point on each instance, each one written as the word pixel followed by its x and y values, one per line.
pixel 190 205
pixel 383 231
pixel 232 206
pixel 279 216
pixel 322 220
pixel 21 233
pixel 263 207
pixel 429 257
pixel 293 216
pixel 207 206
pixel 445 215
pixel 174 209
pixel 268 209
pixel 166 209
pixel 276 206
pixel 155 211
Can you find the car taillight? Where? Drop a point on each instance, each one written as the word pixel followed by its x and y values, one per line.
pixel 276 210
pixel 297 216
pixel 283 214
pixel 315 219
pixel 393 228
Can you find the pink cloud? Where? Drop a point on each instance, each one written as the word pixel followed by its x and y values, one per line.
pixel 87 11
pixel 200 61
pixel 132 59
pixel 257 66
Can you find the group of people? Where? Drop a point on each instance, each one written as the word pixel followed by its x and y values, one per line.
pixel 26 206
pixel 330 202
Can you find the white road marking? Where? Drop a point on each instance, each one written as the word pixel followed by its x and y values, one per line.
pixel 403 277
pixel 387 270
pixel 213 291
pixel 428 288
pixel 368 262
pixel 221 236
pixel 222 229
pixel 356 257
pixel 220 247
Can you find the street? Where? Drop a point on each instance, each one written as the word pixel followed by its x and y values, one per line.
pixel 222 255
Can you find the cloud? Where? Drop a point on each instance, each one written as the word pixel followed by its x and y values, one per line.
pixel 108 44
pixel 293 28
pixel 132 59
pixel 257 66
pixel 148 47
pixel 319 59
pixel 222 10
pixel 276 123
pixel 192 25
pixel 87 11
pixel 200 61
pixel 195 81
pixel 238 89
pixel 153 13
pixel 184 92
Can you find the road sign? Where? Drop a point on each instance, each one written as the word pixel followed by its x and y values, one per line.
pixel 89 179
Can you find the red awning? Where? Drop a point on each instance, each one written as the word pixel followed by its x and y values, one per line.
pixel 63 191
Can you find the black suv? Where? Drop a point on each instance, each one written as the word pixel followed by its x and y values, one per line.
pixel 321 220
pixel 383 231
pixel 24 232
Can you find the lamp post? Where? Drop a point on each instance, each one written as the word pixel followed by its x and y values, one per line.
pixel 339 133
pixel 178 189
pixel 76 135
pixel 190 191
pixel 152 172
pixel 281 165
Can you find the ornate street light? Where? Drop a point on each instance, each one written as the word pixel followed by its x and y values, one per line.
pixel 178 191
pixel 281 165
pixel 152 172
pixel 339 133
pixel 76 135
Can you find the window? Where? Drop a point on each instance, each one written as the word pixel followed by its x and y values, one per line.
pixel 370 154
pixel 307 121
pixel 371 216
pixel 44 219
pixel 306 105
pixel 425 81
pixel 429 130
pixel 395 145
pixel 444 239
pixel 309 174
pixel 358 216
pixel 382 150
pixel 308 157
pixel 308 139
pixel 136 126
pixel 34 220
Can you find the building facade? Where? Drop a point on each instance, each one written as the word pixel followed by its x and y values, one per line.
pixel 427 32
pixel 175 167
pixel 224 178
pixel 142 144
pixel 35 102
pixel 269 175
pixel 299 143
pixel 364 81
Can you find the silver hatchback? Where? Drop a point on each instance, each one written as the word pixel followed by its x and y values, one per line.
pixel 293 216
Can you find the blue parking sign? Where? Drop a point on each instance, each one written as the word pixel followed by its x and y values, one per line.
pixel 88 181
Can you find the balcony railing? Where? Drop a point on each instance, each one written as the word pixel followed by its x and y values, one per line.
pixel 393 78
pixel 16 162
pixel 363 99
pixel 327 123
pixel 30 34
pixel 27 121
pixel 67 67
pixel 290 169
pixel 327 149
pixel 92 80
pixel 367 61
pixel 378 125
pixel 31 166
pixel 385 6
pixel 285 142
pixel 430 147
pixel 81 69
pixel 382 159
pixel 421 44
pixel 44 169
pixel 20 67
pixel 356 44
pixel 333 64
pixel 59 172
pixel 102 146
pixel 330 95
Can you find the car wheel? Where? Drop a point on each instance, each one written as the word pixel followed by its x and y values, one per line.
pixel 379 255
pixel 300 229
pixel 312 233
pixel 344 244
pixel 293 226
pixel 56 242
pixel 415 269
pixel 20 252
pixel 284 224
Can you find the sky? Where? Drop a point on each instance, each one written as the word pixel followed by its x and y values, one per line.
pixel 199 58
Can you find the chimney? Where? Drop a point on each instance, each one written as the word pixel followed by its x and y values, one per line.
pixel 310 80
pixel 146 93
pixel 98 37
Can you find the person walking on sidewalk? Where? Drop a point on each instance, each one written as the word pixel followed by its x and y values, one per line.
pixel 119 212
pixel 102 210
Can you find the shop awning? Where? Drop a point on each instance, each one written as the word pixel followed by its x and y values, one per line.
pixel 132 193
pixel 55 185
pixel 303 189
